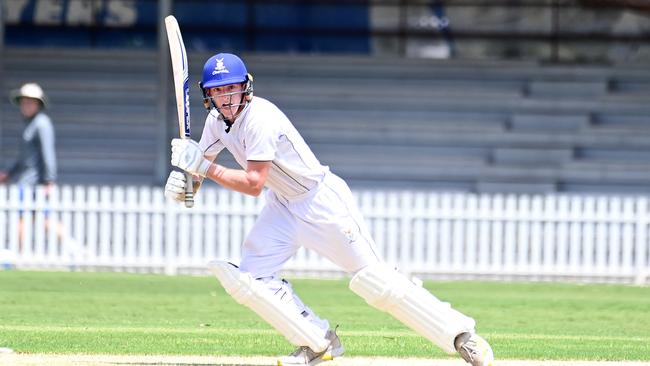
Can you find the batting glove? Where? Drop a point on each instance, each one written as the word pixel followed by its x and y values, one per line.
pixel 175 187
pixel 187 155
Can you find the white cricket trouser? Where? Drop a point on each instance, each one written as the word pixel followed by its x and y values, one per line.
pixel 326 220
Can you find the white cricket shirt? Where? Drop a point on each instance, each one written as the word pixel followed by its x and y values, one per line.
pixel 263 133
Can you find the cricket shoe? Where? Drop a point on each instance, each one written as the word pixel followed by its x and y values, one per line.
pixel 305 356
pixel 474 349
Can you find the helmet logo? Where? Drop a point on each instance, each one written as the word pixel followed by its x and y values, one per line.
pixel 220 68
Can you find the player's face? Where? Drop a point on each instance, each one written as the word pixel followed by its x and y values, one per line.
pixel 29 106
pixel 228 99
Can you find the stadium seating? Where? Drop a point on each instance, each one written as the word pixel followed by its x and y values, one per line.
pixel 103 105
pixel 378 122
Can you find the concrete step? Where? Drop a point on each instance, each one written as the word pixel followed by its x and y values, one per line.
pixel 563 89
pixel 549 122
pixel 519 156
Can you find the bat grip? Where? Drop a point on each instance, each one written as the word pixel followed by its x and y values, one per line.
pixel 189 191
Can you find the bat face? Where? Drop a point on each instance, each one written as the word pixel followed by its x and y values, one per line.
pixel 180 70
pixel 186 86
pixel 181 75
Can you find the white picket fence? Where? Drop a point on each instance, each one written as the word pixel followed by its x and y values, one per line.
pixel 429 234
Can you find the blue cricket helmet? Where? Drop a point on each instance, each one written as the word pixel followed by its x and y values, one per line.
pixel 223 69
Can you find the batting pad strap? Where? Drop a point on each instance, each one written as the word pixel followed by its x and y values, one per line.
pixel 256 296
pixel 388 290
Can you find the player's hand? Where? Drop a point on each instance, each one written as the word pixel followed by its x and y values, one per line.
pixel 175 187
pixel 187 155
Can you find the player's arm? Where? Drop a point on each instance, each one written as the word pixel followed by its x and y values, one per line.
pixel 48 153
pixel 187 155
pixel 250 181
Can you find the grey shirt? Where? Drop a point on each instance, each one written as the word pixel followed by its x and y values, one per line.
pixel 36 162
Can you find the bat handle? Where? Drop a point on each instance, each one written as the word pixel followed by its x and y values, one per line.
pixel 189 191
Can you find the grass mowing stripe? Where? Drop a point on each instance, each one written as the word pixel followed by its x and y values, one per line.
pixel 118 313
pixel 133 329
pixel 350 333
pixel 565 337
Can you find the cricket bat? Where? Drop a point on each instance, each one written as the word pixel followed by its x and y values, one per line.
pixel 181 89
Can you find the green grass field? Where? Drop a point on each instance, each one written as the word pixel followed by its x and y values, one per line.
pixel 113 313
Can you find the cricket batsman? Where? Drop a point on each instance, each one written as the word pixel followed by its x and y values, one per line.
pixel 306 205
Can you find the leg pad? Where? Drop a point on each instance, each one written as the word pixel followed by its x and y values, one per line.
pixel 256 296
pixel 388 290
